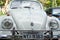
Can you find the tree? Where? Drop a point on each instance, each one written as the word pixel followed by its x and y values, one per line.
pixel 58 2
pixel 48 4
pixel 2 2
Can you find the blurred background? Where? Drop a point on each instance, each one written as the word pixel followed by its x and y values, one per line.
pixel 46 4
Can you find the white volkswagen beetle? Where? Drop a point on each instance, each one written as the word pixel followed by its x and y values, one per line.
pixel 27 19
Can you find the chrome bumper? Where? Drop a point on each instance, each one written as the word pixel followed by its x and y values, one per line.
pixel 21 36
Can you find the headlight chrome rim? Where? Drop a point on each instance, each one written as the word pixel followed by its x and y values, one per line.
pixel 7 23
pixel 53 23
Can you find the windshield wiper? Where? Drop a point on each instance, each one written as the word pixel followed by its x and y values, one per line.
pixel 13 7
pixel 27 7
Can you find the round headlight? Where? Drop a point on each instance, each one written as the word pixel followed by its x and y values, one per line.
pixel 7 24
pixel 54 24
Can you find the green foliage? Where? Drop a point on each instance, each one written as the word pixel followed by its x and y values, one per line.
pixel 51 3
pixel 48 4
pixel 2 2
pixel 58 2
pixel 1 13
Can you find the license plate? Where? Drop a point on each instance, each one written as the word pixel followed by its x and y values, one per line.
pixel 32 36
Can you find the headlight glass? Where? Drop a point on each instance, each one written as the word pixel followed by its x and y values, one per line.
pixel 7 24
pixel 54 24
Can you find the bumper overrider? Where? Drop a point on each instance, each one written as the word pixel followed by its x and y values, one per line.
pixel 25 34
pixel 7 37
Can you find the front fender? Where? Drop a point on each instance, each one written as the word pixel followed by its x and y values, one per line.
pixel 48 21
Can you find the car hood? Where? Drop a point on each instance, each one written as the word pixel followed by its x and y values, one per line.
pixel 28 19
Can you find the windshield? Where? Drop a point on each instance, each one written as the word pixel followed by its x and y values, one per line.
pixel 25 4
pixel 15 4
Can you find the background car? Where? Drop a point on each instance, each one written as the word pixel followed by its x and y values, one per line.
pixel 54 12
